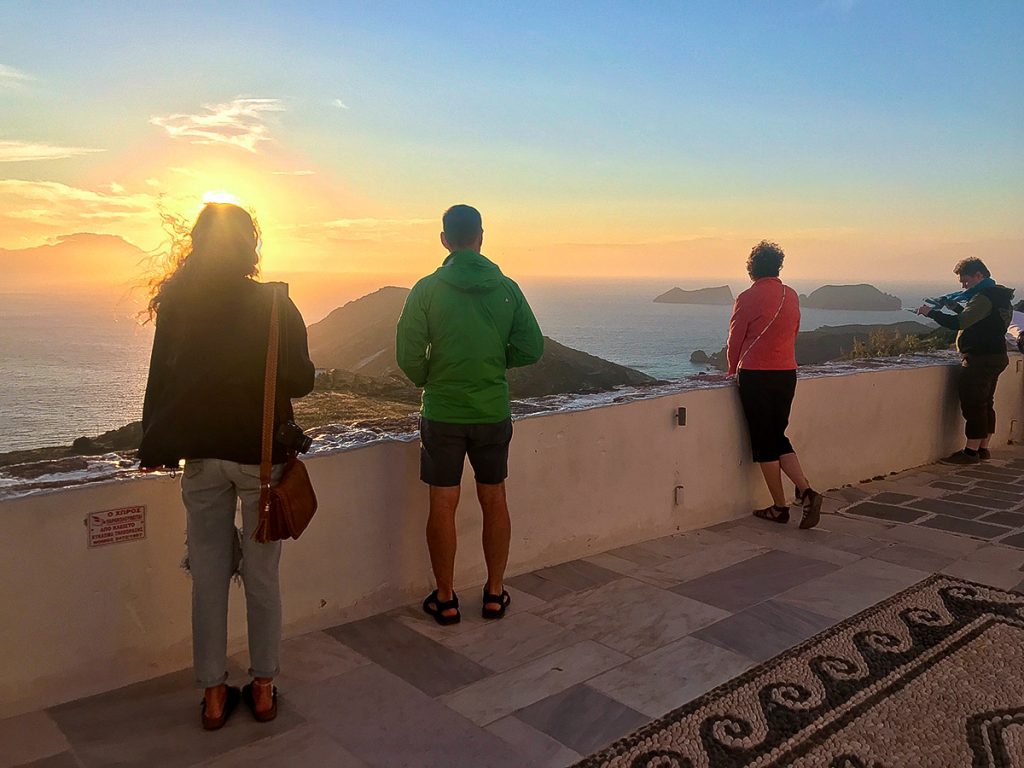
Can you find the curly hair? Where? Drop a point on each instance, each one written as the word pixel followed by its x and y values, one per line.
pixel 765 260
pixel 971 266
pixel 222 245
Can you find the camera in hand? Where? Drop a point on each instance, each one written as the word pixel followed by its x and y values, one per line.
pixel 291 436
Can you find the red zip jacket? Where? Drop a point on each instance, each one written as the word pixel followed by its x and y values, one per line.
pixel 752 313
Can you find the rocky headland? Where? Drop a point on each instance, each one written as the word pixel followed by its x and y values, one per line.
pixel 720 295
pixel 862 297
pixel 842 342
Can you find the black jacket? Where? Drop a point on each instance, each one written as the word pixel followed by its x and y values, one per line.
pixel 981 325
pixel 204 396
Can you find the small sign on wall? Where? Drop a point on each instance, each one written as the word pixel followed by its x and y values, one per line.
pixel 112 526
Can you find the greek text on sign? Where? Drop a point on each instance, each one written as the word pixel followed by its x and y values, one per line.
pixel 113 526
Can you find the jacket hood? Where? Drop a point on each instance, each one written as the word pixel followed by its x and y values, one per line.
pixel 1000 294
pixel 470 272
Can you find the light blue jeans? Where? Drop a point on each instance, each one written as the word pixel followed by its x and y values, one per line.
pixel 213 490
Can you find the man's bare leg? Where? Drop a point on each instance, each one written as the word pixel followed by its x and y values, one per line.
pixel 496 536
pixel 441 540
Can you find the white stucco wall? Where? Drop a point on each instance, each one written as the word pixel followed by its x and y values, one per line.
pixel 78 621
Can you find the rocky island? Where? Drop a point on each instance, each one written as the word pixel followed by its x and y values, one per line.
pixel 862 297
pixel 720 295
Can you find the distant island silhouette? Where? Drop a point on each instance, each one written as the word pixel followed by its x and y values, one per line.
pixel 861 297
pixel 720 295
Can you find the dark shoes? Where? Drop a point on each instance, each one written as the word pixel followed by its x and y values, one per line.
pixel 984 454
pixel 775 514
pixel 260 715
pixel 810 500
pixel 230 704
pixel 962 459
pixel 503 600
pixel 434 606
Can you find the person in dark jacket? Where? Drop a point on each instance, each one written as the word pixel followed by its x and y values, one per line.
pixel 461 328
pixel 204 404
pixel 981 323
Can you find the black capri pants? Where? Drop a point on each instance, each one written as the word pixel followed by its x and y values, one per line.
pixel 767 397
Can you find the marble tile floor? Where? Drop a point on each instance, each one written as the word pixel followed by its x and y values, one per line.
pixel 589 651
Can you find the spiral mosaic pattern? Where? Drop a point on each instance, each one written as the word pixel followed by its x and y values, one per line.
pixel 931 677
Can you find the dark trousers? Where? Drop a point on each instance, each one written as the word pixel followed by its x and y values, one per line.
pixel 977 392
pixel 766 397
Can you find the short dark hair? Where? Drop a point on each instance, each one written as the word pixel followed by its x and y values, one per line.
pixel 971 266
pixel 462 225
pixel 765 260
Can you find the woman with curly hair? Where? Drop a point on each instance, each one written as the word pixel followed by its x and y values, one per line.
pixel 762 351
pixel 204 404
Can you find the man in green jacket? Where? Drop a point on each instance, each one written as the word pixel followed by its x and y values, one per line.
pixel 461 328
pixel 981 324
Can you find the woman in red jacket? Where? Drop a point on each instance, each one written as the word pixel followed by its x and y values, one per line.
pixel 762 350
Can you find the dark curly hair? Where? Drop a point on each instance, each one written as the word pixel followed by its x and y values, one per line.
pixel 765 260
pixel 971 266
pixel 223 245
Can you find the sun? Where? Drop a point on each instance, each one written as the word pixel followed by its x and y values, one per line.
pixel 221 196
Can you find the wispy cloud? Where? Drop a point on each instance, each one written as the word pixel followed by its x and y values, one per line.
pixel 49 203
pixel 12 78
pixel 238 123
pixel 294 173
pixel 364 230
pixel 24 151
pixel 340 104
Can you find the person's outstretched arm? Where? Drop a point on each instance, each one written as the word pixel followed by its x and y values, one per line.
pixel 525 342
pixel 977 309
pixel 412 338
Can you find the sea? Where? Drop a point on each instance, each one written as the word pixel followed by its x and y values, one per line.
pixel 74 367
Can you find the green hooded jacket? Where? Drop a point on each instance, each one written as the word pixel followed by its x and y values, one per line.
pixel 461 328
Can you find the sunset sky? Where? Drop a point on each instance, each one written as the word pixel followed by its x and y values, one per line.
pixel 597 138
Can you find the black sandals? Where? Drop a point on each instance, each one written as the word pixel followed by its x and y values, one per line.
pixel 773 513
pixel 433 606
pixel 810 499
pixel 504 599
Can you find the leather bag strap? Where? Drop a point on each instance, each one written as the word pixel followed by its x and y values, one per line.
pixel 269 399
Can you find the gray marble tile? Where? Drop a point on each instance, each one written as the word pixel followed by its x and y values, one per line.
pixel 744 584
pixel 702 562
pixel 539 587
pixel 1017 540
pixel 614 563
pixel 642 554
pixel 1010 519
pixel 984 471
pixel 983 501
pixel 537 750
pixel 683 544
pixel 311 658
pixel 913 557
pixel 1011 489
pixel 789 538
pixel 850 493
pixel 948 486
pixel 853 588
pixel 945 506
pixel 887 512
pixel 892 498
pixel 164 725
pixel 997 555
pixel 984 573
pixel 854 526
pixel 577 575
pixel 765 630
pixel 671 676
pixel 502 694
pixel 582 718
pixel 630 616
pixel 418 660
pixel 968 527
pixel 29 737
pixel 940 542
pixel 60 760
pixel 387 723
pixel 306 745
pixel 515 640
pixel 989 493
